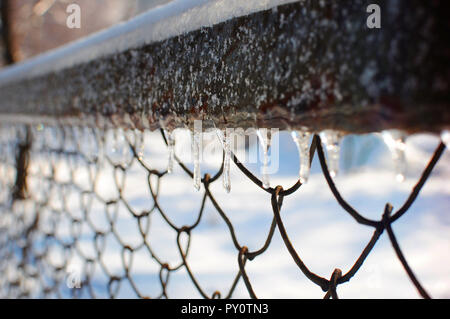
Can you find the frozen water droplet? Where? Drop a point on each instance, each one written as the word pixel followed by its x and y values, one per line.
pixel 88 144
pixel 53 138
pixel 124 147
pixel 225 139
pixel 170 139
pixel 445 136
pixel 139 144
pixel 395 140
pixel 196 141
pixel 264 140
pixel 118 150
pixel 110 145
pixel 301 139
pixel 69 137
pixel 171 148
pixel 331 140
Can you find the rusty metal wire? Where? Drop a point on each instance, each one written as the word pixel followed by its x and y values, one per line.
pixel 31 224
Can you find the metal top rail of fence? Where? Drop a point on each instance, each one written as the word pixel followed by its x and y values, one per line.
pixel 288 65
pixel 306 66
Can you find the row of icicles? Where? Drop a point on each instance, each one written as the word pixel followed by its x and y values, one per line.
pixel 88 146
pixel 394 139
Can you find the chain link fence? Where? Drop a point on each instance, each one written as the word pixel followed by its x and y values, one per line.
pixel 56 223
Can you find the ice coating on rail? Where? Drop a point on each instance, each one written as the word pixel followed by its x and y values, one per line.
pixel 331 140
pixel 162 22
pixel 268 64
pixel 301 139
pixel 264 138
pixel 196 147
pixel 395 141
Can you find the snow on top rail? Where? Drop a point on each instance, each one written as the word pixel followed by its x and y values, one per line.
pixel 163 22
pixel 244 64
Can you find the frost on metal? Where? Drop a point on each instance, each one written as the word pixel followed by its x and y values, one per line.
pixel 311 64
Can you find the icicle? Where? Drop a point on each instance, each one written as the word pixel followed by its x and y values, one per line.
pixel 445 136
pixel 118 149
pixel 225 142
pixel 88 143
pixel 171 148
pixel 301 139
pixel 111 145
pixel 227 163
pixel 38 136
pixel 331 140
pixel 120 146
pixel 196 141
pixel 264 140
pixel 69 137
pixel 395 140
pixel 141 145
pixel 52 136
